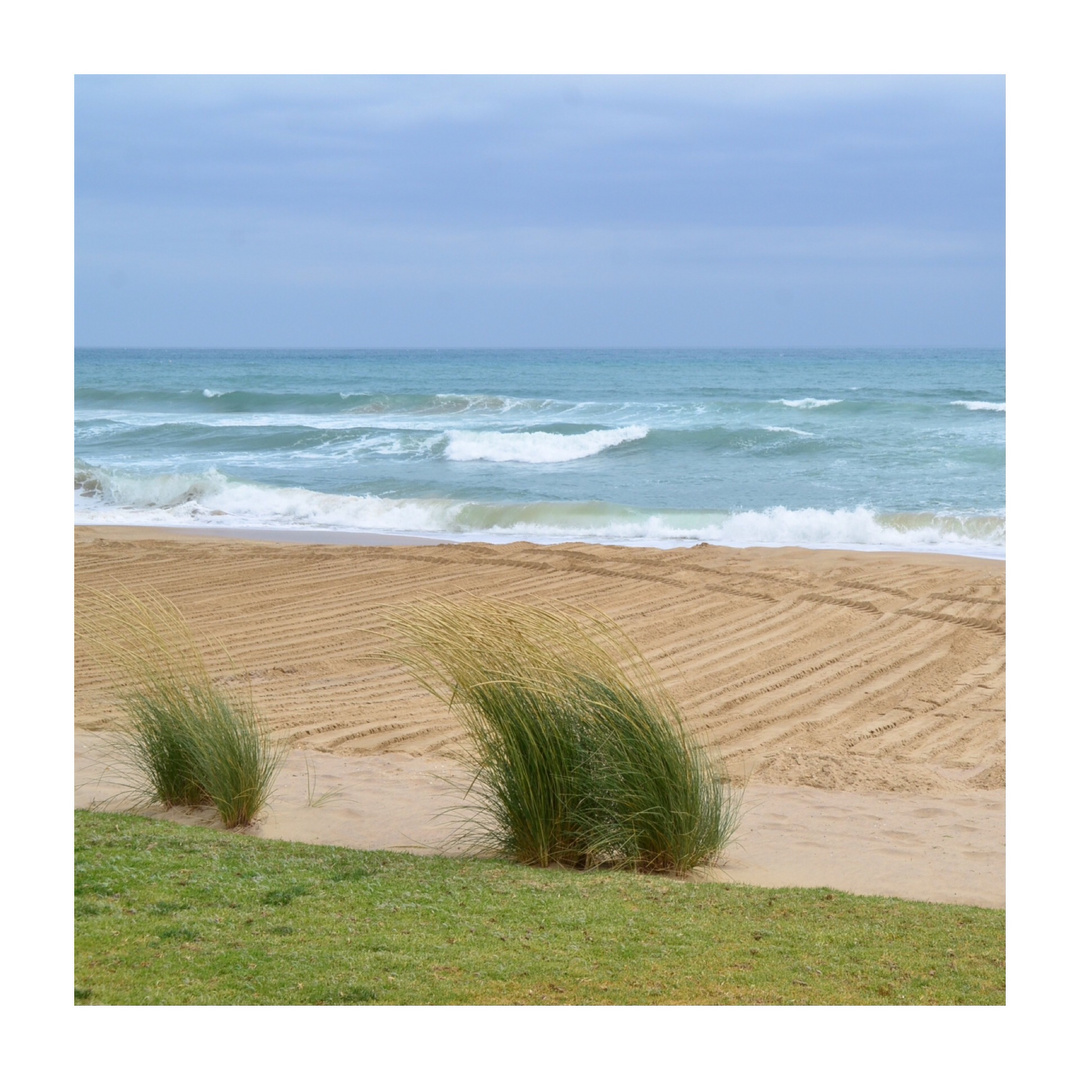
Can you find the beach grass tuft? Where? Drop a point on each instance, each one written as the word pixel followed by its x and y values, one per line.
pixel 192 742
pixel 579 756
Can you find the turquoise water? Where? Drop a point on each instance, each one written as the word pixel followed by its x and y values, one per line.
pixel 901 450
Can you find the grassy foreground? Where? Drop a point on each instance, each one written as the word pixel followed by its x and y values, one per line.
pixel 172 914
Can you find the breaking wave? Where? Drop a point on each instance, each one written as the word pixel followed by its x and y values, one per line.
pixel 807 402
pixel 110 497
pixel 536 447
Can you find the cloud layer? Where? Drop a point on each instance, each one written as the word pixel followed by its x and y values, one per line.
pixel 478 210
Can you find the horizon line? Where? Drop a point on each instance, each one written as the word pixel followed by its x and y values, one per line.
pixel 535 348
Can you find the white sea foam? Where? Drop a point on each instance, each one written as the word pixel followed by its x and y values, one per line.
pixel 106 497
pixel 536 447
pixel 792 431
pixel 806 402
pixel 981 406
pixel 858 528
pixel 212 393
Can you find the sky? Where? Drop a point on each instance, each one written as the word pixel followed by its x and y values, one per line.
pixel 540 211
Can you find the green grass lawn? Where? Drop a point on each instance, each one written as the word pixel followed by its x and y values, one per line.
pixel 172 914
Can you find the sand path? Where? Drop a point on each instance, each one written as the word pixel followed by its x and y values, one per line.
pixel 949 849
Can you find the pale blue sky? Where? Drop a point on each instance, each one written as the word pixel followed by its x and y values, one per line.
pixel 540 211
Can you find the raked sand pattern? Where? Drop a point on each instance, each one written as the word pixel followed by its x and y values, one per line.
pixel 839 671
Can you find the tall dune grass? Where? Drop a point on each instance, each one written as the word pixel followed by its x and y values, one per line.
pixel 192 742
pixel 580 757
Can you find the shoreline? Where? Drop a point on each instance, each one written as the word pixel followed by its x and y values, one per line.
pixel 860 694
pixel 260 535
pixel 354 538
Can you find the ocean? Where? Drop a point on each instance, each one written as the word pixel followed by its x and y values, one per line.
pixel 899 450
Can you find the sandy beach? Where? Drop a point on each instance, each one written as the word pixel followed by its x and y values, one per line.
pixel 857 698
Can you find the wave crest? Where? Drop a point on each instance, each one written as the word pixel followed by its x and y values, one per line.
pixel 806 402
pixel 536 447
